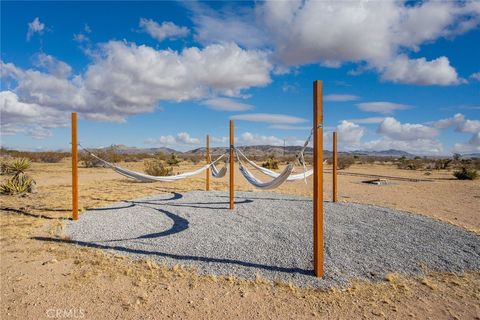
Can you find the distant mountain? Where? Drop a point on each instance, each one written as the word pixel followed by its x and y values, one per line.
pixel 261 150
pixel 471 155
pixel 384 153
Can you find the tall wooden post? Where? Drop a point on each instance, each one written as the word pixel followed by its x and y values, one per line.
pixel 74 168
pixel 334 164
pixel 207 158
pixel 232 165
pixel 318 178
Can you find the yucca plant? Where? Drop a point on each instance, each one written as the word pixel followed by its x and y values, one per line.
pixel 20 182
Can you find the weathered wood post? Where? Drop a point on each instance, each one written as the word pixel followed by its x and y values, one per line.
pixel 334 164
pixel 232 166
pixel 318 178
pixel 207 158
pixel 74 168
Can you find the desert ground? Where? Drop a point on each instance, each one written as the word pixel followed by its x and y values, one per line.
pixel 51 279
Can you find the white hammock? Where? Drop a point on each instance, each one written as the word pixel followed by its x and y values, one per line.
pixel 282 177
pixel 148 178
pixel 273 174
pixel 219 173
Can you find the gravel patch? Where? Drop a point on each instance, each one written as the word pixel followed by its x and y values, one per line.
pixel 270 234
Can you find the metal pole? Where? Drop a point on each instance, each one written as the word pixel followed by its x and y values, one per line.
pixel 207 158
pixel 74 168
pixel 232 165
pixel 334 163
pixel 318 179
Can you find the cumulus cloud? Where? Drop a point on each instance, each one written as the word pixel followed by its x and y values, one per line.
pixel 269 118
pixel 375 34
pixel 369 120
pixel 393 129
pixel 349 133
pixel 126 79
pixel 475 76
pixel 248 138
pixel 180 139
pixel 340 97
pixel 472 145
pixel 35 27
pixel 225 104
pixel 53 65
pixel 166 30
pixel 382 107
pixel 421 72
pixel 461 124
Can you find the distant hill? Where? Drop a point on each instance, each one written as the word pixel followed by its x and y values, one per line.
pixel 384 153
pixel 123 149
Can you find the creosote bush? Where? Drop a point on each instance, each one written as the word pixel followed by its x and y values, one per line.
pixel 345 162
pixel 271 163
pixel 466 174
pixel 173 161
pixel 20 182
pixel 157 167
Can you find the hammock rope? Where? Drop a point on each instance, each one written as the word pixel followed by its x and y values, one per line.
pixel 148 178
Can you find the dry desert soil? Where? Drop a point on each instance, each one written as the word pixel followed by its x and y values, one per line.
pixel 53 280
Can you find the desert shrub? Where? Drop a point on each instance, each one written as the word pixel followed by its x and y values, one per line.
pixel 345 162
pixel 442 164
pixel 110 154
pixel 271 163
pixel 156 167
pixel 466 174
pixel 49 157
pixel 173 160
pixel 405 164
pixel 20 182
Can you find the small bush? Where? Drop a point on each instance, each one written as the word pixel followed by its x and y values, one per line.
pixel 466 174
pixel 345 162
pixel 271 163
pixel 173 161
pixel 157 167
pixel 410 164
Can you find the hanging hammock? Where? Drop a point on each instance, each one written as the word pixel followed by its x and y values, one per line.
pixel 218 173
pixel 148 178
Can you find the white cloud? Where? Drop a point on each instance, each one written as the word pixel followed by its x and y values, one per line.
pixel 472 145
pixel 475 76
pixel 126 79
pixel 166 30
pixel 53 66
pixel 349 133
pixel 472 126
pixel 225 104
pixel 248 138
pixel 421 72
pixel 35 27
pixel 445 123
pixel 340 97
pixel 395 130
pixel 374 34
pixel 80 37
pixel 382 107
pixel 269 118
pixel 367 120
pixel 180 139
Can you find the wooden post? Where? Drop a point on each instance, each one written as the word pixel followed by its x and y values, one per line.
pixel 207 177
pixel 318 178
pixel 74 168
pixel 232 166
pixel 334 164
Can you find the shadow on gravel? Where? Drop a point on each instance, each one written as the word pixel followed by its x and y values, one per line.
pixel 308 272
pixel 196 205
pixel 275 199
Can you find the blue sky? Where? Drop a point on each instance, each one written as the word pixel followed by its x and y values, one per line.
pixel 396 75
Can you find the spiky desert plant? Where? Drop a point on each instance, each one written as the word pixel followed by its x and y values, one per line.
pixel 466 174
pixel 20 182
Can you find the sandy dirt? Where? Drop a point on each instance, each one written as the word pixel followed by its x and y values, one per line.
pixel 43 278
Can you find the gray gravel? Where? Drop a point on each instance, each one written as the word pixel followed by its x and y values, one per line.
pixel 270 234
